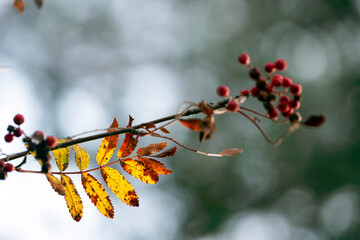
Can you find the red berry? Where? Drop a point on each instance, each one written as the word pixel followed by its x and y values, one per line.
pixel 294 104
pixel 284 98
pixel 287 114
pixel 51 141
pixel 223 91
pixel 283 106
pixel 254 91
pixel 9 167
pixel 273 113
pixel 277 80
pixel 233 106
pixel 286 82
pixel 39 134
pixel 296 89
pixel 9 137
pixel 245 92
pixel 18 132
pixel 244 58
pixel 19 119
pixel 270 67
pixel 281 64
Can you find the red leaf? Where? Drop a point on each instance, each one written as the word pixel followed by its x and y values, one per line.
pixel 155 165
pixel 167 153
pixel 193 124
pixel 315 121
pixel 129 143
pixel 151 149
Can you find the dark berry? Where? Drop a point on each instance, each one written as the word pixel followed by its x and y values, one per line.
pixel 281 64
pixel 283 106
pixel 18 132
pixel 270 67
pixel 19 119
pixel 244 58
pixel 271 97
pixel 261 83
pixel 245 92
pixel 295 117
pixel 284 98
pixel 298 98
pixel 233 106
pixel 9 167
pixel 254 91
pixel 223 91
pixel 296 89
pixel 262 95
pixel 9 137
pixel 11 128
pixel 255 73
pixel 273 113
pixel 286 82
pixel 51 141
pixel 277 80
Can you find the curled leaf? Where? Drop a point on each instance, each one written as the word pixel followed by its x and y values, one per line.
pixel 151 149
pixel 97 194
pixel 82 157
pixel 315 121
pixel 155 165
pixel 138 170
pixel 230 152
pixel 72 198
pixel 56 184
pixel 120 186
pixel 107 146
pixel 167 153
pixel 61 156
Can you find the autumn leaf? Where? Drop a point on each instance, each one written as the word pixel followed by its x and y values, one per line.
pixel 120 186
pixel 82 157
pixel 315 121
pixel 19 5
pixel 97 194
pixel 138 170
pixel 155 165
pixel 193 124
pixel 129 143
pixel 151 149
pixel 167 153
pixel 61 156
pixel 107 146
pixel 164 130
pixel 72 198
pixel 230 152
pixel 208 111
pixel 56 184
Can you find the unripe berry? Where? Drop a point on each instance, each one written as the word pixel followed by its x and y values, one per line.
pixel 284 98
pixel 51 141
pixel 296 89
pixel 9 137
pixel 223 91
pixel 19 119
pixel 245 92
pixel 233 106
pixel 244 58
pixel 281 64
pixel 9 167
pixel 273 113
pixel 270 67
pixel 18 132
pixel 286 82
pixel 277 80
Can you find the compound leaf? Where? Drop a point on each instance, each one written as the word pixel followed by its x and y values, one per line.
pixel 120 186
pixel 82 157
pixel 61 156
pixel 72 198
pixel 155 165
pixel 151 149
pixel 138 170
pixel 107 146
pixel 56 184
pixel 97 194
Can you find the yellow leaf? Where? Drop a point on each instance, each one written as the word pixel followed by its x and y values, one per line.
pixel 61 156
pixel 155 165
pixel 72 198
pixel 107 146
pixel 139 170
pixel 120 186
pixel 56 184
pixel 97 194
pixel 82 157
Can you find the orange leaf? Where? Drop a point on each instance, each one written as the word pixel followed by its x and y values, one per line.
pixel 205 108
pixel 230 152
pixel 107 146
pixel 167 153
pixel 155 165
pixel 193 124
pixel 151 149
pixel 19 5
pixel 129 143
pixel 138 170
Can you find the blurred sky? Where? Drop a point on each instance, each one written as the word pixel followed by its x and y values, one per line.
pixel 73 66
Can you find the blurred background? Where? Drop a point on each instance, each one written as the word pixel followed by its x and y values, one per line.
pixel 74 65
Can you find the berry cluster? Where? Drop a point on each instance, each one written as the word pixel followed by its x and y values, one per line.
pixel 15 131
pixel 278 93
pixel 5 168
